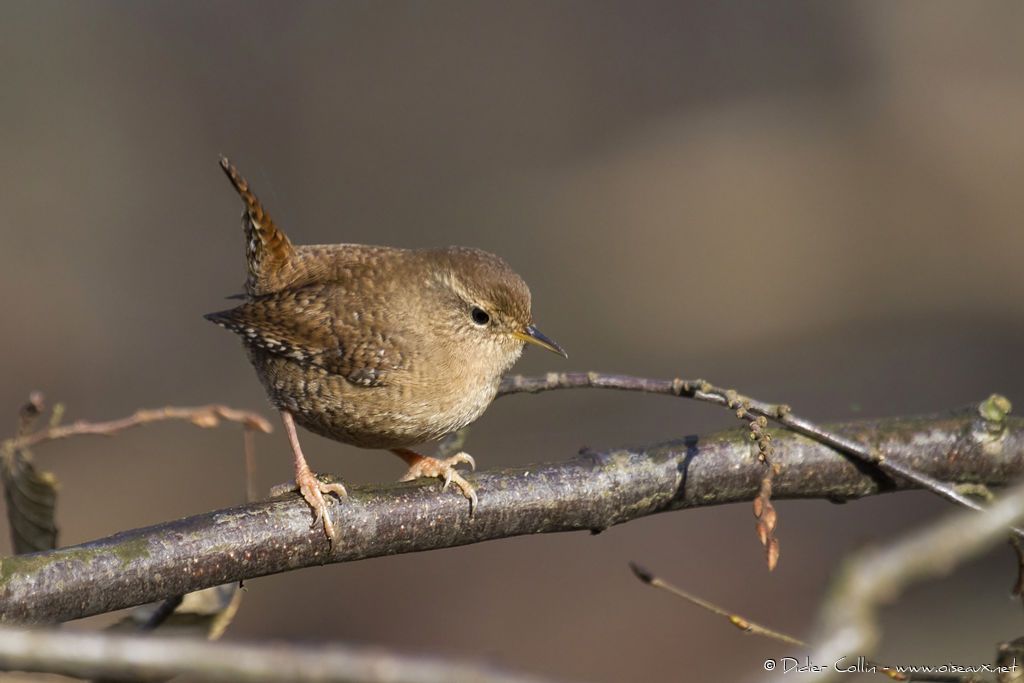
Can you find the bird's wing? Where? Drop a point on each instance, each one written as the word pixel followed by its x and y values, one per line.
pixel 317 325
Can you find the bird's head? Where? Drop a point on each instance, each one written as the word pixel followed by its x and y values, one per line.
pixel 487 306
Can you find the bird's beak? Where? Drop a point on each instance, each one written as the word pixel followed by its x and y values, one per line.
pixel 532 335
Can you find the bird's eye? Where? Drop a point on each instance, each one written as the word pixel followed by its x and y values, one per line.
pixel 480 316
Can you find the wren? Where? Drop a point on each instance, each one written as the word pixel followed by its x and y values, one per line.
pixel 374 346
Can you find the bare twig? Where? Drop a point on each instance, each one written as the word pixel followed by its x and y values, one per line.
pixel 201 416
pixel 736 620
pixel 992 412
pixel 592 491
pixel 849 618
pixel 748 626
pixel 109 655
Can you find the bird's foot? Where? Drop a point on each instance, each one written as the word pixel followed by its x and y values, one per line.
pixel 424 466
pixel 313 490
pixel 307 483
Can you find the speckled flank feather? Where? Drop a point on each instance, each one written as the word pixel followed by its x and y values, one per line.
pixel 267 249
pixel 302 325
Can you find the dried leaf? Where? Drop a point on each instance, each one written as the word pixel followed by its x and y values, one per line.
pixel 31 498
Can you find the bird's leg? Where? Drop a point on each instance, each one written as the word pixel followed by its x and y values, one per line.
pixel 424 466
pixel 311 488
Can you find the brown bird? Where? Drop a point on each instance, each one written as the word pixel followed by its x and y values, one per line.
pixel 375 346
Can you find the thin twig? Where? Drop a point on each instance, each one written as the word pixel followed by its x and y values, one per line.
pixel 201 416
pixel 95 655
pixel 592 491
pixel 736 620
pixel 748 626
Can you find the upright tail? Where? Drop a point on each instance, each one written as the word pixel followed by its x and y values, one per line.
pixel 268 252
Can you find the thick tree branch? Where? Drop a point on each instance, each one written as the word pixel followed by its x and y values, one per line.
pixel 592 491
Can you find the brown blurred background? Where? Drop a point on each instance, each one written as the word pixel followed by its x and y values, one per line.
pixel 817 203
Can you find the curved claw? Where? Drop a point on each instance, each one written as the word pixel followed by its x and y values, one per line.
pixel 319 518
pixel 424 466
pixel 463 457
pixel 473 501
pixel 465 487
pixel 312 490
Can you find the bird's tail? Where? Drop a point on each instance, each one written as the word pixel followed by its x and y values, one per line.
pixel 268 250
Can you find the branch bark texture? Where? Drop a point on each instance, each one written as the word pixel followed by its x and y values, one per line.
pixel 593 491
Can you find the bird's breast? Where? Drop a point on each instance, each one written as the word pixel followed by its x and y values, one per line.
pixel 410 408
